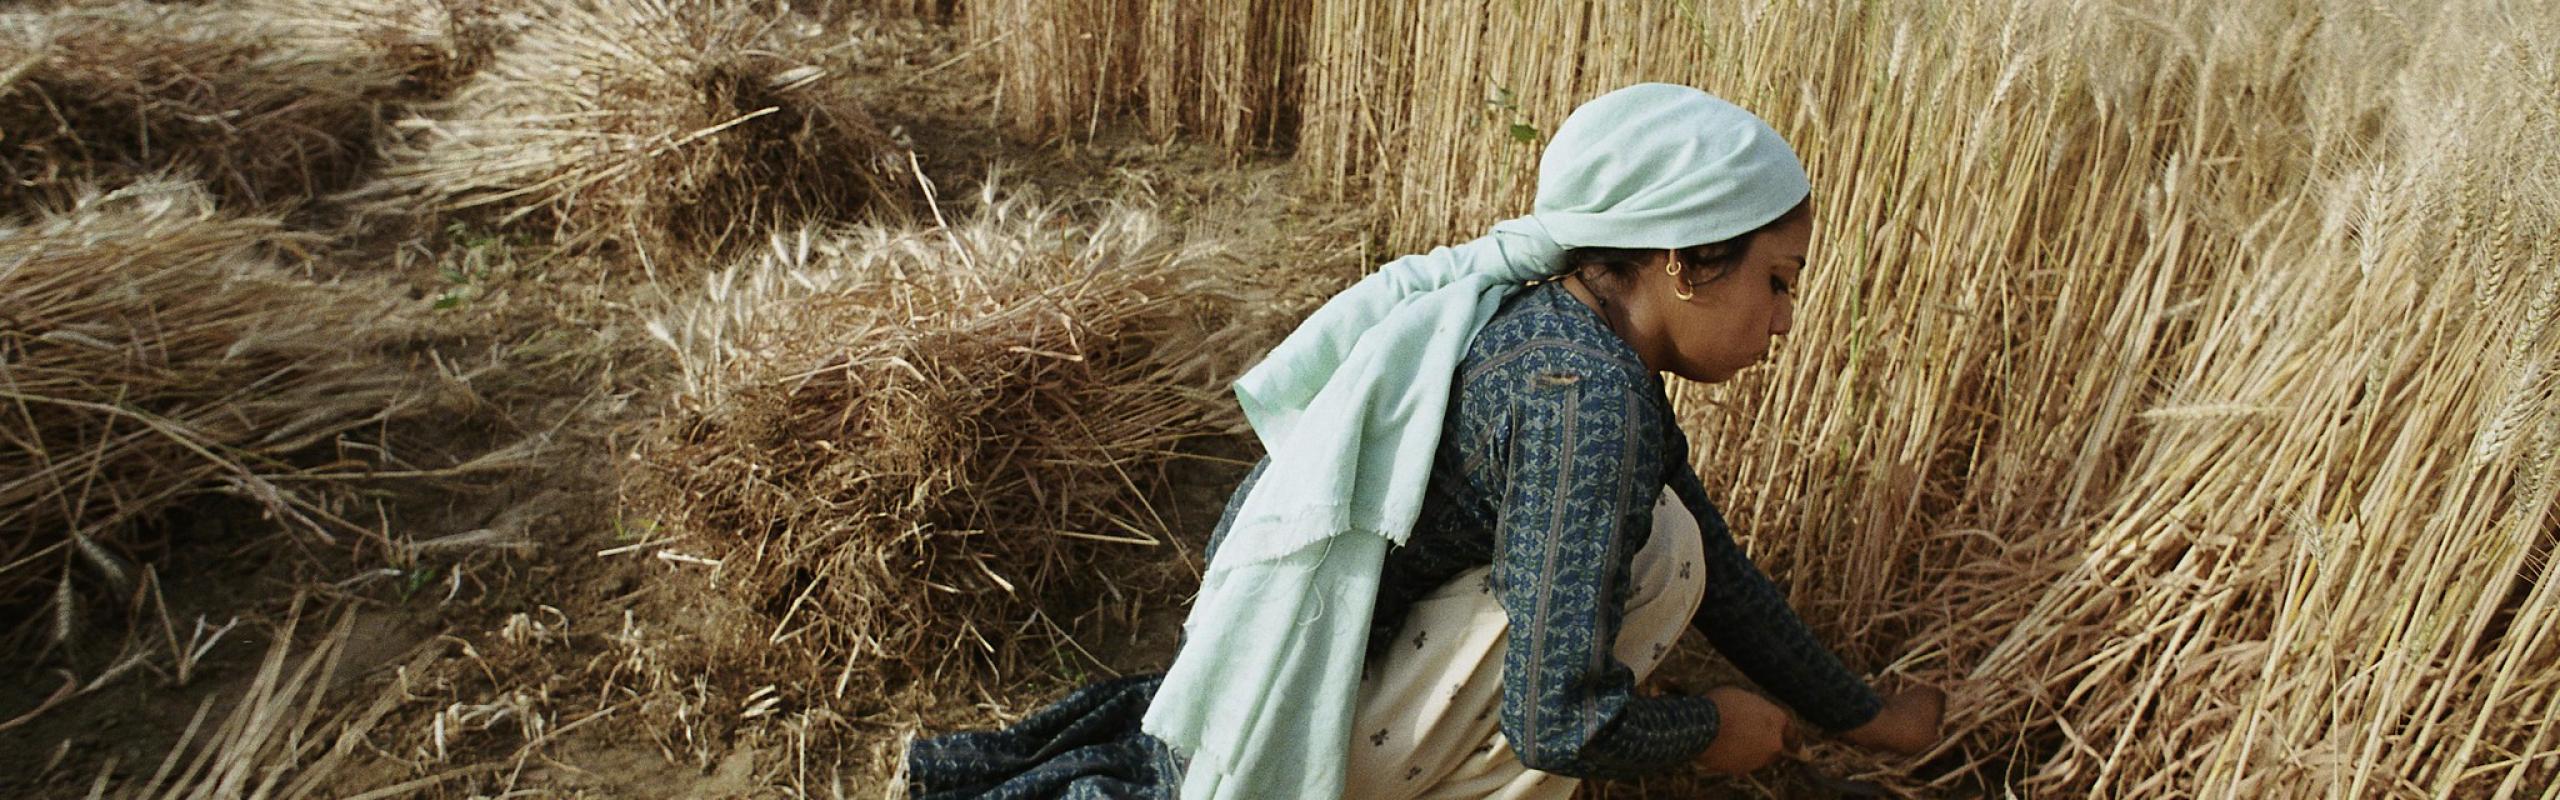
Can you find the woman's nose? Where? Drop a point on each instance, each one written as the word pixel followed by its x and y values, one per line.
pixel 1785 319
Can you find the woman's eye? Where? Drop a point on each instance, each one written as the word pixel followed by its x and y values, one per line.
pixel 1778 284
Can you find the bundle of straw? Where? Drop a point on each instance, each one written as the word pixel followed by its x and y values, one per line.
pixel 121 91
pixel 436 44
pixel 678 125
pixel 919 448
pixel 155 351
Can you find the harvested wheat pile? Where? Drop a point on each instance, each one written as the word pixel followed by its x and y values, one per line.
pixel 116 92
pixel 435 43
pixel 154 351
pixel 923 450
pixel 681 126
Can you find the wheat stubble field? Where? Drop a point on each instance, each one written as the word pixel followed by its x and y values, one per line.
pixel 700 398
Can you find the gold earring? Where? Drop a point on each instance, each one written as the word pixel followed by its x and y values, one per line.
pixel 1671 267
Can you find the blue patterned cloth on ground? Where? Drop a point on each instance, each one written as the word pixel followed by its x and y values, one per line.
pixel 1084 747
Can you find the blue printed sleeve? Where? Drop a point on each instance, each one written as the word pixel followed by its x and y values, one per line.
pixel 1582 463
pixel 1749 621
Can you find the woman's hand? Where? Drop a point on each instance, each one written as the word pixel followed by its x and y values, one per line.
pixel 1908 724
pixel 1750 731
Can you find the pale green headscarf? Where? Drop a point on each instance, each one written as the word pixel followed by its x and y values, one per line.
pixel 1350 408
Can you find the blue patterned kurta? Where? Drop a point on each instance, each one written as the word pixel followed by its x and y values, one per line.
pixel 1556 443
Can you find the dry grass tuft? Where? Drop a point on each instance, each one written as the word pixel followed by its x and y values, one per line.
pixel 120 91
pixel 920 453
pixel 156 351
pixel 675 127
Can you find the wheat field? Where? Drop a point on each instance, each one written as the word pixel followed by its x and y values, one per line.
pixel 2175 383
pixel 2176 379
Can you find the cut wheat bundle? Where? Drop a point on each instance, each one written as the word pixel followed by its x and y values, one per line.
pixel 115 92
pixel 924 451
pixel 155 351
pixel 672 127
pixel 436 44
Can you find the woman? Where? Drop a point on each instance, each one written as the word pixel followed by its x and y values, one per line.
pixel 1478 527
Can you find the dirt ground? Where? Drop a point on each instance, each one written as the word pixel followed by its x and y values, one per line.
pixel 546 653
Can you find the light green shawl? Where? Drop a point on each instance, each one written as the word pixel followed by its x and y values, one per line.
pixel 1350 407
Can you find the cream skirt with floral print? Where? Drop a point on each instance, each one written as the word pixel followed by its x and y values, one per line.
pixel 1433 707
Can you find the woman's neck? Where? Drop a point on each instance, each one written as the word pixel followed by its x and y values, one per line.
pixel 1613 315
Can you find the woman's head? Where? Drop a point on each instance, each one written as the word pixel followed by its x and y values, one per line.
pixel 1686 220
pixel 1702 312
pixel 1657 166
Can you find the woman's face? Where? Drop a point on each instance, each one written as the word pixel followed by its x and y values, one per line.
pixel 1729 323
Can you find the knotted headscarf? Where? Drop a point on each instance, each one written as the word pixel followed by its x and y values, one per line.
pixel 1350 408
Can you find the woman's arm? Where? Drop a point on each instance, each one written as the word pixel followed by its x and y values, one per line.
pixel 1750 622
pixel 1576 476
